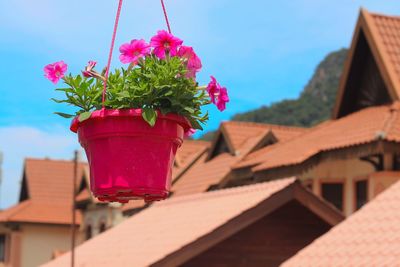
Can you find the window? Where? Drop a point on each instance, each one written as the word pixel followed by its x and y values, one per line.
pixel 88 232
pixel 333 192
pixel 361 189
pixel 2 248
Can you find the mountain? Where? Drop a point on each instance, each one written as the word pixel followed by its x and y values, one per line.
pixel 314 104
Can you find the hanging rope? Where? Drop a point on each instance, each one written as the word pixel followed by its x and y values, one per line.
pixel 166 16
pixel 113 43
pixel 111 49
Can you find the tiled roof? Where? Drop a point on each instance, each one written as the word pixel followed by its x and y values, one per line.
pixel 243 137
pixel 382 34
pixel 49 187
pixel 370 237
pixel 388 37
pixel 374 123
pixel 170 226
pixel 239 133
pixel 50 179
pixel 151 235
pixel 187 154
pixel 39 211
pixel 204 174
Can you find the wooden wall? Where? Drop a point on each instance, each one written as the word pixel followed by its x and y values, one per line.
pixel 268 242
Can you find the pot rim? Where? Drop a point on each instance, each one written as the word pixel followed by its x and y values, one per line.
pixel 103 113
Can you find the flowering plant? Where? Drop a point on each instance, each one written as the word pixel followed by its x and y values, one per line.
pixel 161 76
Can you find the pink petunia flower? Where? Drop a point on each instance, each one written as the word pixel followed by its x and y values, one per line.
pixel 218 95
pixel 89 72
pixel 165 42
pixel 54 72
pixel 190 132
pixel 213 89
pixel 133 51
pixel 223 98
pixel 193 61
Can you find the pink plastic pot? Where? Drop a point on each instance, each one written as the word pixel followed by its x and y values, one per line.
pixel 128 158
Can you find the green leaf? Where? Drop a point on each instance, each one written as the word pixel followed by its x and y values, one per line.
pixel 58 101
pixel 84 116
pixel 149 115
pixel 69 90
pixel 64 115
pixel 190 110
pixel 195 124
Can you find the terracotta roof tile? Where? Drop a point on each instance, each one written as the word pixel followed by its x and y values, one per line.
pixel 240 132
pixel 49 185
pixel 389 35
pixel 39 211
pixel 204 174
pixel 50 180
pixel 370 237
pixel 187 154
pixel 152 235
pixel 371 124
pixel 244 137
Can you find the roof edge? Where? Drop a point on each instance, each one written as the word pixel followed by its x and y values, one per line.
pixel 366 25
pixel 231 227
pixel 293 191
pixel 374 146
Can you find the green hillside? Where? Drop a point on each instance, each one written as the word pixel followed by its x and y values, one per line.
pixel 314 103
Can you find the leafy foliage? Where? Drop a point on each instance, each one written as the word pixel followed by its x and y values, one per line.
pixel 152 85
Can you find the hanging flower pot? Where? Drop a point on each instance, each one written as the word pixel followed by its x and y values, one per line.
pixel 132 121
pixel 128 158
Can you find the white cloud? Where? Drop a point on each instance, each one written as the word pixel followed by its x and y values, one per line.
pixel 19 142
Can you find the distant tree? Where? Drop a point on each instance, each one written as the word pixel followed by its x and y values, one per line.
pixel 315 102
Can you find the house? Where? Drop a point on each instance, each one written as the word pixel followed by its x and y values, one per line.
pixel 353 157
pixel 39 226
pixel 254 225
pixel 232 142
pixel 370 237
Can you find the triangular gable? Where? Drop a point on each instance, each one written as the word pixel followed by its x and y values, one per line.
pixel 46 179
pixel 369 76
pixel 269 139
pixel 221 144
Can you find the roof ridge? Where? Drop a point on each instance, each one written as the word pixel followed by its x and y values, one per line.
pixel 384 15
pixel 46 159
pixel 227 191
pixel 262 150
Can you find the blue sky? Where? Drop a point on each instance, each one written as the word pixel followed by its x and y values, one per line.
pixel 263 51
